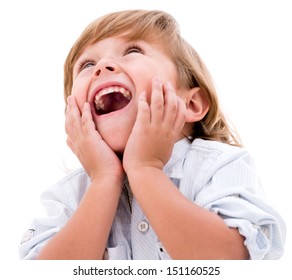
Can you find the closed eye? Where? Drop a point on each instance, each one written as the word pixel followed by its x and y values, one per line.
pixel 85 64
pixel 133 49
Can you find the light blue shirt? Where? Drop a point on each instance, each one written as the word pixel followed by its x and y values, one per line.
pixel 215 176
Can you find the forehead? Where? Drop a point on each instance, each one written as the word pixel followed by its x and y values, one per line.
pixel 126 34
pixel 114 42
pixel 120 42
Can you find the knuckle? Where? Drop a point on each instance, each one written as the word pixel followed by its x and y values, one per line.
pixel 67 129
pixel 84 121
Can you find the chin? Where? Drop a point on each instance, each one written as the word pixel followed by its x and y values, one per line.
pixel 117 147
pixel 115 129
pixel 116 143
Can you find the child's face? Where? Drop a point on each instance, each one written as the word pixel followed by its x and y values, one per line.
pixel 112 73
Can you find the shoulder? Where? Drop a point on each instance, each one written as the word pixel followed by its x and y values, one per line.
pixel 70 188
pixel 214 147
pixel 202 158
pixel 78 176
pixel 217 153
pixel 207 159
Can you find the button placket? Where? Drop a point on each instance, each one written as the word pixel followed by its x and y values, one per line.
pixel 142 238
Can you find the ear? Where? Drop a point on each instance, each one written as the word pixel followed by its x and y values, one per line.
pixel 197 105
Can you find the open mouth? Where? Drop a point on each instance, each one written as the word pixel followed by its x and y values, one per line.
pixel 111 99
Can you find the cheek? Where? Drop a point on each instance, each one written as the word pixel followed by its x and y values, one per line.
pixel 79 92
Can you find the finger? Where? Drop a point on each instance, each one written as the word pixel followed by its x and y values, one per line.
pixel 70 145
pixel 72 105
pixel 73 117
pixel 170 110
pixel 143 115
pixel 157 101
pixel 180 116
pixel 88 125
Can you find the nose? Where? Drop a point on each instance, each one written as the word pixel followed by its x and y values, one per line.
pixel 104 66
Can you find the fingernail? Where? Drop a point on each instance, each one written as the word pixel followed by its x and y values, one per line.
pixel 142 96
pixel 168 84
pixel 157 80
pixel 68 103
pixel 86 104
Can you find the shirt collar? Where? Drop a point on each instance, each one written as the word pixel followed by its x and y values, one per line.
pixel 174 167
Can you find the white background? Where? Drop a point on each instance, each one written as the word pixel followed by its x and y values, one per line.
pixel 246 45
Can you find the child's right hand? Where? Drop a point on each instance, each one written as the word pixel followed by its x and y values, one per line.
pixel 94 154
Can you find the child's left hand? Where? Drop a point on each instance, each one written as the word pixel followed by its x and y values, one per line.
pixel 156 129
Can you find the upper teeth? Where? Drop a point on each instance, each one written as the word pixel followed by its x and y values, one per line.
pixel 122 90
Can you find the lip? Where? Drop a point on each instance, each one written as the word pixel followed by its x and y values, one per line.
pixel 105 85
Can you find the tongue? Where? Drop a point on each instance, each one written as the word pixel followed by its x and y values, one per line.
pixel 113 102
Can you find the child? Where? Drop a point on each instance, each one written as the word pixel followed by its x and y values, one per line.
pixel 163 175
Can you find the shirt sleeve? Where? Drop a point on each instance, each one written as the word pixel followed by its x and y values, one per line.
pixel 232 190
pixel 60 202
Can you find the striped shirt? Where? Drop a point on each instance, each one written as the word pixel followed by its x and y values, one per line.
pixel 215 176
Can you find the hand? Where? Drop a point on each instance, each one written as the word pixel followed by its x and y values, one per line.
pixel 94 154
pixel 156 129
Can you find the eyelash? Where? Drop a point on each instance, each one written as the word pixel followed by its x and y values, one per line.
pixel 134 47
pixel 130 49
pixel 84 63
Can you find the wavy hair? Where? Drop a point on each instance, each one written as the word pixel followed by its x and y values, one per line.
pixel 160 27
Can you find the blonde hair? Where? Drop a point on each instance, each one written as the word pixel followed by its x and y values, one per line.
pixel 161 27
